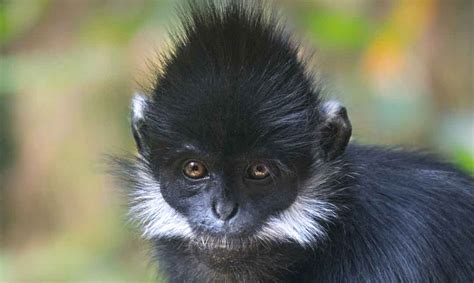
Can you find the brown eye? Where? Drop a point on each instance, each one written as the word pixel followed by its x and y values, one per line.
pixel 258 171
pixel 194 169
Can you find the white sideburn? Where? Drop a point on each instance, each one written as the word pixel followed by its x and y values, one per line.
pixel 303 221
pixel 156 216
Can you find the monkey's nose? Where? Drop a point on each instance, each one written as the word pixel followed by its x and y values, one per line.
pixel 225 210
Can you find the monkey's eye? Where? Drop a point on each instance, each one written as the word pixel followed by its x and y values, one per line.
pixel 258 171
pixel 194 169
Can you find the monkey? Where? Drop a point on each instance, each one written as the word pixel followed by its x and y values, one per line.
pixel 245 171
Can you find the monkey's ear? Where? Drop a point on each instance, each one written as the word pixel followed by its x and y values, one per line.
pixel 336 129
pixel 139 105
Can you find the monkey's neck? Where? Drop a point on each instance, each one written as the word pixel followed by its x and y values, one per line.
pixel 184 262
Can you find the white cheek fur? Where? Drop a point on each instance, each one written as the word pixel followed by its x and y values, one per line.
pixel 156 216
pixel 301 222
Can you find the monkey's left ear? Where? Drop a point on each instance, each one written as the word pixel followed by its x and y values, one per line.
pixel 139 105
pixel 335 129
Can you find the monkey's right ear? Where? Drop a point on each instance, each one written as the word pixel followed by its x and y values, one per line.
pixel 335 129
pixel 139 105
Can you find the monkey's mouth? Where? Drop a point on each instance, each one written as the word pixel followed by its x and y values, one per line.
pixel 223 243
pixel 223 238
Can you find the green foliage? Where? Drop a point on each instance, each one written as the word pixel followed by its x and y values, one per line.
pixel 465 159
pixel 17 17
pixel 115 28
pixel 336 29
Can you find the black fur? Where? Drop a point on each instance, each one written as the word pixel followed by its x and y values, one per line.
pixel 233 91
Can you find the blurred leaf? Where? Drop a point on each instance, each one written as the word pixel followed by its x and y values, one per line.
pixel 5 269
pixel 385 57
pixel 464 159
pixel 117 27
pixel 335 29
pixel 18 16
pixel 7 138
pixel 6 76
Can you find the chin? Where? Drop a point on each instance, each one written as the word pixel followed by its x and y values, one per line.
pixel 232 255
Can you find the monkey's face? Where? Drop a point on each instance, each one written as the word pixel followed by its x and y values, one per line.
pixel 222 169
pixel 225 195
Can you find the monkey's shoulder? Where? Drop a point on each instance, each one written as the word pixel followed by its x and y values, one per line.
pixel 402 184
pixel 405 167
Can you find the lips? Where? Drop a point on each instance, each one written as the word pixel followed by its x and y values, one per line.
pixel 222 243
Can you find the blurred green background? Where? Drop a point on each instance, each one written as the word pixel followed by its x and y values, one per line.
pixel 404 69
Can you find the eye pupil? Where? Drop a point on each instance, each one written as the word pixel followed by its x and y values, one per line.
pixel 258 171
pixel 194 169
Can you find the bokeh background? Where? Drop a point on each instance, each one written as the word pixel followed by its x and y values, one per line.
pixel 404 69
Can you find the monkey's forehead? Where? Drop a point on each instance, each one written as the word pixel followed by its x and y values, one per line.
pixel 235 125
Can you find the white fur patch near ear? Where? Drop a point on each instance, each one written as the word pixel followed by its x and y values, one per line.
pixel 331 108
pixel 156 216
pixel 139 103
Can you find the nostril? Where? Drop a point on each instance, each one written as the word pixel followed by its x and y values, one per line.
pixel 225 210
pixel 233 212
